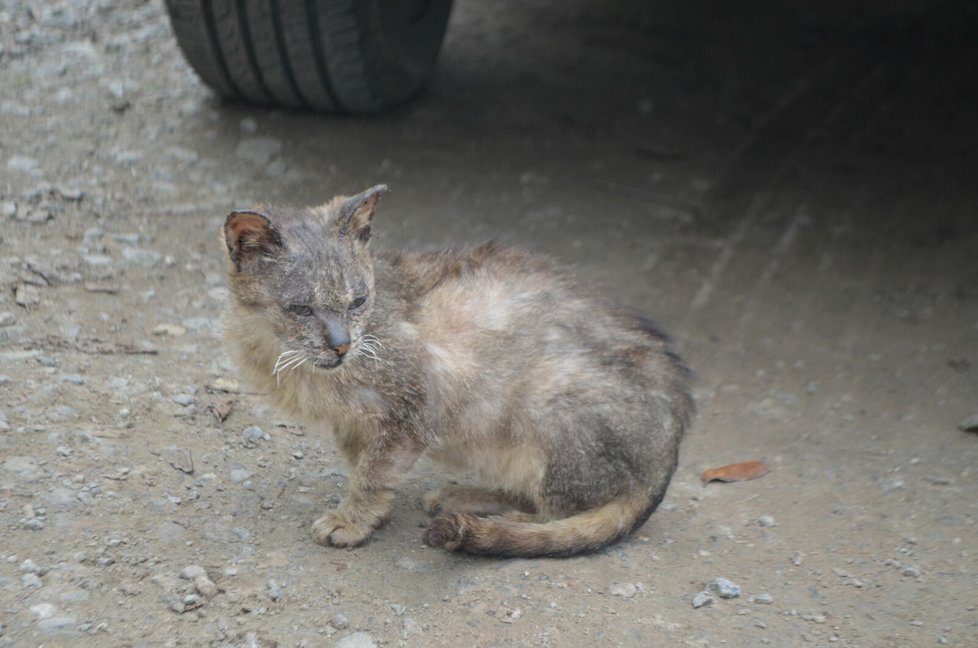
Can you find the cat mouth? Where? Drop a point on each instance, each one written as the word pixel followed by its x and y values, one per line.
pixel 327 363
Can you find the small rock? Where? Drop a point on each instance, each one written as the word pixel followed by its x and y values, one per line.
pixel 57 624
pixel 224 385
pixel 411 627
pixel 190 600
pixel 724 588
pixel 8 209
pixel 911 571
pixel 97 259
pixel 184 400
pixel 205 587
pixel 74 379
pixel 339 621
pixel 509 616
pixel 141 256
pixel 7 318
pixel 24 164
pixel 253 434
pixel 174 330
pixel 31 580
pixel 970 424
pixel 190 572
pixel 274 591
pixel 44 610
pixel 179 459
pixel 356 640
pixel 249 125
pixel 702 599
pixel 73 194
pixel 239 474
pixel 797 559
pixel 763 599
pixel 766 521
pixel 624 590
pixel 31 567
pixel 27 296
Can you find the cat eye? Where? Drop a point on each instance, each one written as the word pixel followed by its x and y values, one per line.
pixel 300 309
pixel 357 303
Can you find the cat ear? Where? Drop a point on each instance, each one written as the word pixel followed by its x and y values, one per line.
pixel 250 235
pixel 357 212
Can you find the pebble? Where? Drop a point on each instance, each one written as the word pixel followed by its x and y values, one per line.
pixel 179 459
pixel 911 571
pixel 702 599
pixel 249 125
pixel 74 379
pixel 724 588
pixel 205 587
pixel 190 572
pixel 239 474
pixel 356 640
pixel 141 256
pixel 411 627
pixel 27 296
pixel 97 259
pixel 31 580
pixel 57 624
pixel 185 400
pixel 24 164
pixel 30 567
pixel 274 591
pixel 624 590
pixel 8 209
pixel 763 599
pixel 253 434
pixel 766 521
pixel 339 621
pixel 7 318
pixel 174 330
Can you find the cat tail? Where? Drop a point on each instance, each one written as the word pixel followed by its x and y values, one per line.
pixel 513 538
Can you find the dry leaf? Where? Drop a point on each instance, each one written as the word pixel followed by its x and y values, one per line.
pixel 222 411
pixel 736 472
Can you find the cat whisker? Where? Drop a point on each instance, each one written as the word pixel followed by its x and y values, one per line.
pixel 287 361
pixel 368 349
pixel 372 339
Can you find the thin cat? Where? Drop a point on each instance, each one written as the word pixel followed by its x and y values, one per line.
pixel 485 358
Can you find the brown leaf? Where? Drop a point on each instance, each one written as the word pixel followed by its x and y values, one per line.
pixel 736 472
pixel 222 411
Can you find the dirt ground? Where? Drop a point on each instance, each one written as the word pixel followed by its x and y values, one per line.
pixel 790 188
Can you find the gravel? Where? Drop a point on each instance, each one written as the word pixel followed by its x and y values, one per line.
pixel 702 599
pixel 356 640
pixel 724 588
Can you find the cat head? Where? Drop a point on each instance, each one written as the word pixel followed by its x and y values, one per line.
pixel 305 276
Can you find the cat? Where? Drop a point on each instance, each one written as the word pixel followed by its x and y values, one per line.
pixel 485 358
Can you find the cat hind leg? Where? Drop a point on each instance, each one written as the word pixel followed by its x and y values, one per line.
pixel 472 500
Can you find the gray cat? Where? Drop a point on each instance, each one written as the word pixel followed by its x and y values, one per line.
pixel 485 358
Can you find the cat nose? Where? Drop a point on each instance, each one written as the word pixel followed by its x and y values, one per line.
pixel 341 349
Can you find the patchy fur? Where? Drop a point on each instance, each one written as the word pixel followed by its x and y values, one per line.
pixel 486 358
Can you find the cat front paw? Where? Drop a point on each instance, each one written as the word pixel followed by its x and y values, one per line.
pixel 336 530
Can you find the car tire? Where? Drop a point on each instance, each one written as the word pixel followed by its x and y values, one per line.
pixel 338 56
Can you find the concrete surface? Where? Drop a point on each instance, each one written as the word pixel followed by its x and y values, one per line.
pixel 790 188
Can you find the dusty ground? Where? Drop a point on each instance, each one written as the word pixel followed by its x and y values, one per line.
pixel 792 192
